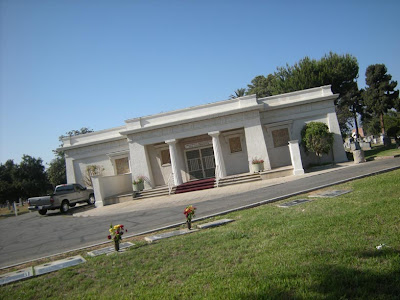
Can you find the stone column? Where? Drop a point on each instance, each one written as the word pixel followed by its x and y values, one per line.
pixel 174 161
pixel 295 156
pixel 219 159
pixel 70 170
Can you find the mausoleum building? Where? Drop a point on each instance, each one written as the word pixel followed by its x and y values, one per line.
pixel 217 139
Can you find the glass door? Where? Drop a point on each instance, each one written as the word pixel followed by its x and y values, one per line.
pixel 207 155
pixel 200 163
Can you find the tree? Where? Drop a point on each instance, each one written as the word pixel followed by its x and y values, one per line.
pixel 261 86
pixel 238 93
pixel 353 101
pixel 57 172
pixel 8 188
pixel 380 95
pixel 92 170
pixel 30 177
pixel 340 71
pixel 391 122
pixel 315 137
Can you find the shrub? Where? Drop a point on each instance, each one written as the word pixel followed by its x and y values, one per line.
pixel 315 137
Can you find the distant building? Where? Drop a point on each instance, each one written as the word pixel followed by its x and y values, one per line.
pixel 220 138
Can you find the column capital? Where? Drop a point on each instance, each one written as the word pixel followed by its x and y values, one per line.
pixel 214 133
pixel 170 142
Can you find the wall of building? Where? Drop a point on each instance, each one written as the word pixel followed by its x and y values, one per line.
pixel 98 154
pixel 237 162
pixel 297 117
pixel 160 172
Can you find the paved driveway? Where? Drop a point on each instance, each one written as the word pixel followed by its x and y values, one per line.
pixel 31 236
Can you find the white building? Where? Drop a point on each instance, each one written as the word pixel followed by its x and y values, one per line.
pixel 198 142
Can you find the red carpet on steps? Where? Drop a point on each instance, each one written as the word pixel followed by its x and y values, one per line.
pixel 196 185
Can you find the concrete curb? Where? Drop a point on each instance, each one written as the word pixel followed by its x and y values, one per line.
pixel 263 202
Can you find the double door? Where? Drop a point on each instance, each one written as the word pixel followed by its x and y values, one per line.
pixel 200 163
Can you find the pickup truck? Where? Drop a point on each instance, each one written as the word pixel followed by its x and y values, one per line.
pixel 64 196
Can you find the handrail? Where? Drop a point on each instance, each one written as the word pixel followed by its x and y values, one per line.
pixel 170 186
pixel 217 175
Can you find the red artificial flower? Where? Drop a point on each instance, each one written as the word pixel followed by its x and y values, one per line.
pixel 126 230
pixel 109 237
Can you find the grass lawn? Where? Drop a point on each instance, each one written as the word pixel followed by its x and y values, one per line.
pixel 323 249
pixel 379 151
pixel 5 212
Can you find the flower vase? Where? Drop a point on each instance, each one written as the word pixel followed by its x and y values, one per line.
pixel 258 167
pixel 189 224
pixel 138 187
pixel 116 245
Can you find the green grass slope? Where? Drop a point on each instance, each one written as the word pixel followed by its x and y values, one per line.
pixel 323 249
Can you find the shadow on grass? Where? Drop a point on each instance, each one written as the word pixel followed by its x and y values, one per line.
pixel 337 282
pixel 385 252
pixel 370 154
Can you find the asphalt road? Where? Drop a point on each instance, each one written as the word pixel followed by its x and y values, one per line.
pixel 31 236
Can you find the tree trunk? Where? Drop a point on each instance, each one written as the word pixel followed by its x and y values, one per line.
pixel 382 125
pixel 356 124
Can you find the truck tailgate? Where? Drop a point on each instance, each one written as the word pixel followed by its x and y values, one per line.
pixel 39 201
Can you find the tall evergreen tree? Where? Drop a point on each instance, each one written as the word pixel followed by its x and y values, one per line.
pixel 340 71
pixel 380 95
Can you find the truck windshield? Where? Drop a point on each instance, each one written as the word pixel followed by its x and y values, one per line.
pixel 64 188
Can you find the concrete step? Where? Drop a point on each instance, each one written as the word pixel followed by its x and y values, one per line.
pixel 197 185
pixel 160 191
pixel 237 179
pixel 244 180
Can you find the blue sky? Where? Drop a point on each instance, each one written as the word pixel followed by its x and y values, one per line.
pixel 70 64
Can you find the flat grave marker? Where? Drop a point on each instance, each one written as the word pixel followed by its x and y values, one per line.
pixel 214 223
pixel 330 194
pixel 59 264
pixel 293 203
pixel 111 249
pixel 169 234
pixel 15 276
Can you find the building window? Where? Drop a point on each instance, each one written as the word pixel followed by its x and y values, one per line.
pixel 122 165
pixel 235 145
pixel 280 137
pixel 165 157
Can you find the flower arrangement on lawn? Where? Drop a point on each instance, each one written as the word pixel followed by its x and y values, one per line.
pixel 189 213
pixel 257 160
pixel 116 233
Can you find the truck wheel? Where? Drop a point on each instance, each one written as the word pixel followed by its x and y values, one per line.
pixel 64 206
pixel 91 200
pixel 42 212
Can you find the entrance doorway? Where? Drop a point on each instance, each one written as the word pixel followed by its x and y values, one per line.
pixel 200 163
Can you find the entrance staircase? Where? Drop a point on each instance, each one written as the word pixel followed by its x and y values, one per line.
pixel 210 183
pixel 236 179
pixel 197 185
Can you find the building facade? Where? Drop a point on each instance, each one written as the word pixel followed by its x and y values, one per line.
pixel 216 139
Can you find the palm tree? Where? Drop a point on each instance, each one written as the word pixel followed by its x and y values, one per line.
pixel 238 93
